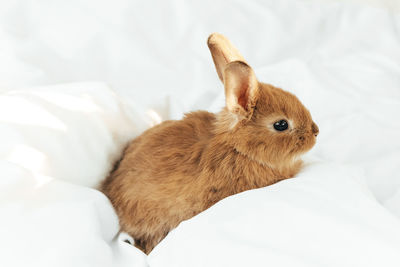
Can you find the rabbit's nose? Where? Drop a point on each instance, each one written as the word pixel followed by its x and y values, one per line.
pixel 314 129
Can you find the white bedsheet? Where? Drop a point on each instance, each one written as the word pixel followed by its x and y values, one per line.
pixel 341 59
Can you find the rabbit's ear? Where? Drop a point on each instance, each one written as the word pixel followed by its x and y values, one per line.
pixel 241 88
pixel 223 52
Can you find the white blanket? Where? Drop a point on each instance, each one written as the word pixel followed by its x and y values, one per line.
pixel 321 218
pixel 59 141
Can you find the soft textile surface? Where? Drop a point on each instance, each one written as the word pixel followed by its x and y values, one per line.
pixel 56 137
pixel 71 132
pixel 322 218
pixel 340 59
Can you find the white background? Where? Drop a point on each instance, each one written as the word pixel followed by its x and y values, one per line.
pixel 150 63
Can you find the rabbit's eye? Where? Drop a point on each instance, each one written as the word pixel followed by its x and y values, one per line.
pixel 281 125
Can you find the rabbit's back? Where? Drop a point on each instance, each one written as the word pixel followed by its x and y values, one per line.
pixel 154 179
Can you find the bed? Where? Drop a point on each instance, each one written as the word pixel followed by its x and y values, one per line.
pixel 79 79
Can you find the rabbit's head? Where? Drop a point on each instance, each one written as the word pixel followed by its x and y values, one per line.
pixel 262 122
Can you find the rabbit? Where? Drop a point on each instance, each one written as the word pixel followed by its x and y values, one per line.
pixel 178 169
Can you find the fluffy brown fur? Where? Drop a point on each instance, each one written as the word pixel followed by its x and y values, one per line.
pixel 178 169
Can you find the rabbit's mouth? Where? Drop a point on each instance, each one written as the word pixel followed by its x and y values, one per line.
pixel 303 145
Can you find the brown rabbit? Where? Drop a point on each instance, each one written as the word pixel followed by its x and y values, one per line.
pixel 178 169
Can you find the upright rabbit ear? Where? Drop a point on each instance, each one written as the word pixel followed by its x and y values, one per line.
pixel 241 88
pixel 239 79
pixel 223 52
